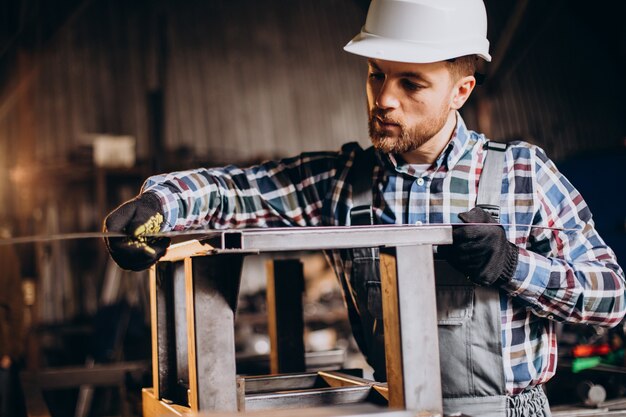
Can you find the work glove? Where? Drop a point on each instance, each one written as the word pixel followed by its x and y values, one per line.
pixel 138 217
pixel 482 253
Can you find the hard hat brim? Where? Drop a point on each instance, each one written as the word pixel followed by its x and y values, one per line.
pixel 377 47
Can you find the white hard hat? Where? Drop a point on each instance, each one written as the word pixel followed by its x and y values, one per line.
pixel 421 31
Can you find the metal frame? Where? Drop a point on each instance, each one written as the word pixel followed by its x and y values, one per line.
pixel 210 268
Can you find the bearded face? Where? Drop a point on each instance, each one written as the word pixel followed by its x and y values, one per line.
pixel 392 135
pixel 409 104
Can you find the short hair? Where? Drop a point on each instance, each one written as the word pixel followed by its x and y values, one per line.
pixel 462 66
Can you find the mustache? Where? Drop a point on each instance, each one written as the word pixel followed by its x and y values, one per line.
pixel 383 116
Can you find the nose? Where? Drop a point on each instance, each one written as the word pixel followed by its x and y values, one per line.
pixel 387 97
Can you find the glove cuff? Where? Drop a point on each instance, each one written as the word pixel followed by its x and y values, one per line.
pixel 510 264
pixel 152 201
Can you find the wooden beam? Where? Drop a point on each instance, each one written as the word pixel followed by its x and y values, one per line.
pixel 393 338
pixel 182 250
pixel 191 334
pixel 154 331
pixel 339 379
pixel 152 407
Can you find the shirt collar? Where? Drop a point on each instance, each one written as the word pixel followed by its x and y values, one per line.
pixel 450 155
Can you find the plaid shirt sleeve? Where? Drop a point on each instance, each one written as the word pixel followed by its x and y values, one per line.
pixel 571 275
pixel 289 192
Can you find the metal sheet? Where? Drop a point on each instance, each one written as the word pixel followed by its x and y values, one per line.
pixel 269 383
pixel 308 398
pixel 215 288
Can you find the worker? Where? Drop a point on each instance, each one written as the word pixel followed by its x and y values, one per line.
pixel 544 263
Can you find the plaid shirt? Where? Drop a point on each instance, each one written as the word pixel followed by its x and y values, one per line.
pixel 568 276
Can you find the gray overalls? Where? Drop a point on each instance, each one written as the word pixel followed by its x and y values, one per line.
pixel 469 318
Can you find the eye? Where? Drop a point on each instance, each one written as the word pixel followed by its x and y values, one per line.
pixel 376 76
pixel 410 85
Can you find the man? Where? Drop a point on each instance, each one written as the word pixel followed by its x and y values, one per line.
pixel 546 262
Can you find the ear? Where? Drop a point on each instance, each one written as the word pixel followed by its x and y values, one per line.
pixel 461 91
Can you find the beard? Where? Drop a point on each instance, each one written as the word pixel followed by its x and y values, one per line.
pixel 409 138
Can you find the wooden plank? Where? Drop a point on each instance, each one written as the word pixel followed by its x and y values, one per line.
pixel 272 325
pixel 152 407
pixel 393 339
pixel 191 335
pixel 154 331
pixel 182 250
pixel 339 379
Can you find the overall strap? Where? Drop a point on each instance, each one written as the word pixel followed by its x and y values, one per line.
pixel 489 186
pixel 490 183
pixel 360 177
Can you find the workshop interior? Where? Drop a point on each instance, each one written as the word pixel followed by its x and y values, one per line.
pixel 97 96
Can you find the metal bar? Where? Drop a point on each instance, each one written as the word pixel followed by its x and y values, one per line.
pixel 420 342
pixel 285 285
pixel 308 398
pixel 412 346
pixel 215 289
pixel 174 346
pixel 154 330
pixel 310 238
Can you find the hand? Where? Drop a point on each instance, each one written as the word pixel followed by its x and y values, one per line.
pixel 483 253
pixel 137 218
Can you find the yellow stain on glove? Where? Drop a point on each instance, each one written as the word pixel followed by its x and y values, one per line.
pixel 151 226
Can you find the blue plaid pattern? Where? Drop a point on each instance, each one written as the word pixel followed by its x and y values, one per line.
pixel 568 276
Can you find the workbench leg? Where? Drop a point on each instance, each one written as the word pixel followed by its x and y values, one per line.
pixel 212 285
pixel 411 338
pixel 285 285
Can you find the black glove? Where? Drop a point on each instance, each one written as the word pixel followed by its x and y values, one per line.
pixel 483 253
pixel 138 217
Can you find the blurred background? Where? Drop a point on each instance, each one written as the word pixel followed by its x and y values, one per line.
pixel 97 95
